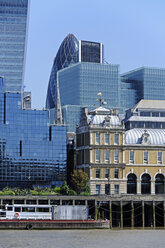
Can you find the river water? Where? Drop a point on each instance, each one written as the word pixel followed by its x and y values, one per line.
pixel 82 239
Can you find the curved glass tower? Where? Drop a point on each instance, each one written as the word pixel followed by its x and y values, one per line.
pixel 70 52
pixel 67 54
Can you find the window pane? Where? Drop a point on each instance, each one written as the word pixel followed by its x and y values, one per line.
pixel 159 157
pixel 145 157
pixel 116 189
pixel 106 173
pixel 107 189
pixel 106 155
pixel 131 156
pixel 97 173
pixel 116 138
pixel 107 139
pixel 97 155
pixel 97 138
pixel 116 173
pixel 116 156
pixel 97 189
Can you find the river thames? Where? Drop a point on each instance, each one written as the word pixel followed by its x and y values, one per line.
pixel 82 239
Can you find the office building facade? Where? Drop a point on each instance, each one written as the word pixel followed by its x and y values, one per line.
pixel 13 39
pixel 32 151
pixel 79 85
pixel 143 83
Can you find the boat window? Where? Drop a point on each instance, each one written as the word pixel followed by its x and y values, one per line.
pixel 9 208
pixel 17 209
pixel 2 214
pixel 28 209
pixel 43 210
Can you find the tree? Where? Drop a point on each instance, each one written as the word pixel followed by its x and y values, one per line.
pixel 64 189
pixel 79 181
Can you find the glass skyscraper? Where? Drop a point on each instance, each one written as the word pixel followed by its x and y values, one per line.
pixel 32 151
pixel 79 69
pixel 70 52
pixel 143 83
pixel 79 85
pixel 13 38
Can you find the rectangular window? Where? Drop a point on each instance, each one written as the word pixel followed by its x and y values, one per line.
pixel 82 139
pixel 106 173
pixel 106 156
pixel 159 157
pixel 116 139
pixel 116 156
pixel 106 139
pixel 98 189
pixel 162 114
pixel 116 189
pixel 107 189
pixel 97 139
pixel 97 173
pixel 145 157
pixel 83 157
pixel 97 156
pixel 20 151
pixel 155 114
pixel 131 157
pixel 116 173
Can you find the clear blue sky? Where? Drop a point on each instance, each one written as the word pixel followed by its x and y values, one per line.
pixel 132 32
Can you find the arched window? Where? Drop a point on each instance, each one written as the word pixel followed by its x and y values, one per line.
pixel 146 184
pixel 159 184
pixel 131 184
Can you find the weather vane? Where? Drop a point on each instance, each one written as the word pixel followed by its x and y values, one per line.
pixel 100 99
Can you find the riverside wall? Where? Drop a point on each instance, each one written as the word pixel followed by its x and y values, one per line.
pixel 122 211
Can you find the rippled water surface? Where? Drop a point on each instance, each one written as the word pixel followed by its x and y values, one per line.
pixel 83 239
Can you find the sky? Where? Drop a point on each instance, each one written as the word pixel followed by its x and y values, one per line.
pixel 132 32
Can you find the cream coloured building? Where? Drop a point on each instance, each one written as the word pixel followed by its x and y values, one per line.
pixel 120 161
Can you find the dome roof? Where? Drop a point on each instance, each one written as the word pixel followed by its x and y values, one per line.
pixel 134 136
pixel 101 115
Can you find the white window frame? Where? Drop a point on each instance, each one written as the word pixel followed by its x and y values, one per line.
pixel 107 143
pixel 105 154
pixel 144 160
pixel 99 191
pixel 116 135
pixel 99 153
pixel 159 161
pixel 97 135
pixel 116 161
pixel 108 172
pixel 130 160
pixel 116 189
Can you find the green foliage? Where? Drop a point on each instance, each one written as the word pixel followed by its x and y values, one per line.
pixel 64 189
pixel 79 181
pixel 72 192
pixel 7 192
pixel 34 192
pixel 57 190
pixel 85 193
